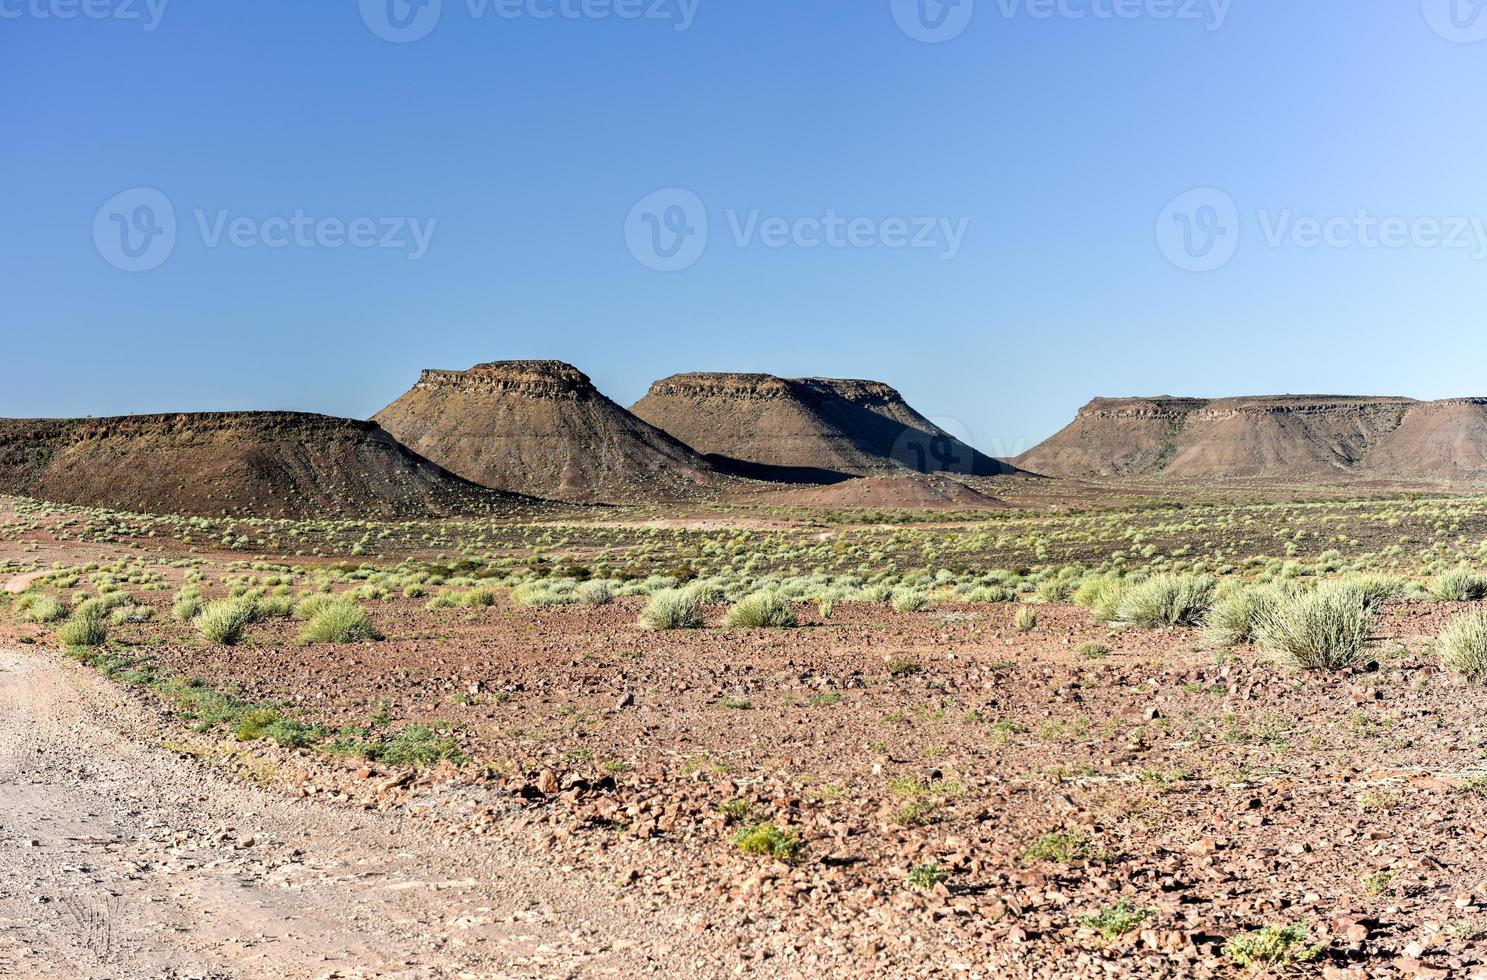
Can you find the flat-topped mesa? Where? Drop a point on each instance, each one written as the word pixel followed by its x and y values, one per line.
pixel 257 464
pixel 1298 437
pixel 805 430
pixel 542 428
pixel 554 379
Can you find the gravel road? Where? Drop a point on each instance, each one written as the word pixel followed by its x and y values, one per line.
pixel 120 859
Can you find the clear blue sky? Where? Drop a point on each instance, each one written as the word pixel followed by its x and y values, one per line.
pixel 1057 142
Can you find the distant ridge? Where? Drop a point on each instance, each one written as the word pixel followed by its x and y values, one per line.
pixel 542 428
pixel 251 464
pixel 1307 437
pixel 806 430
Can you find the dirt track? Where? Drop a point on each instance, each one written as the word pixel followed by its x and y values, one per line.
pixel 121 860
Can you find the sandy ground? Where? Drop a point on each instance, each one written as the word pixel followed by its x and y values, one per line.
pixel 122 860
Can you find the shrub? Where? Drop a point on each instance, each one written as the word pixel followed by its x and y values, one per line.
pixel 188 607
pixel 1376 589
pixel 86 628
pixel 1094 651
pixel 672 609
pixel 1459 585
pixel 1326 629
pixel 909 600
pixel 595 593
pixel 224 621
pixel 273 607
pixel 1463 645
pixel 1167 600
pixel 131 614
pixel 312 605
pixel 45 609
pixel 1026 620
pixel 477 598
pixel 546 593
pixel 770 841
pixel 1061 847
pixel 340 622
pixel 1233 618
pixel 762 609
pixel 1272 945
pixel 1101 596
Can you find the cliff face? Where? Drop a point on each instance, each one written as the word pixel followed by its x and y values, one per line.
pixel 818 430
pixel 261 464
pixel 1304 437
pixel 542 428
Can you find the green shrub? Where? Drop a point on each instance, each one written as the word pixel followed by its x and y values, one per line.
pixel 767 840
pixel 672 609
pixel 339 622
pixel 909 600
pixel 273 607
pixel 86 628
pixel 926 876
pixel 1236 613
pixel 1459 585
pixel 188 607
pixel 1167 600
pixel 224 621
pixel 760 610
pixel 1101 596
pixel 1061 847
pixel 1463 645
pixel 595 593
pixel 1026 619
pixel 313 605
pixel 1326 629
pixel 123 615
pixel 45 609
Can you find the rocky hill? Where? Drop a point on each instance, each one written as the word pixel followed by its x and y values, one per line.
pixel 1302 437
pixel 805 430
pixel 542 428
pixel 260 464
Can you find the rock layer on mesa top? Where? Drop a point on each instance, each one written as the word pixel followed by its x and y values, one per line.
pixel 258 464
pixel 1303 437
pixel 806 430
pixel 542 428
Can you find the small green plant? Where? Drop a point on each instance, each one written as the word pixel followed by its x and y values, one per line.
pixel 909 600
pixel 1093 651
pixel 904 667
pixel 595 593
pixel 1272 946
pixel 765 609
pixel 1377 883
pixel 926 876
pixel 1116 921
pixel 768 840
pixel 188 607
pixel 1026 619
pixel 1061 847
pixel 339 622
pixel 672 609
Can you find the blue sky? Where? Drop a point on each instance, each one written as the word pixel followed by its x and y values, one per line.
pixel 1050 144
